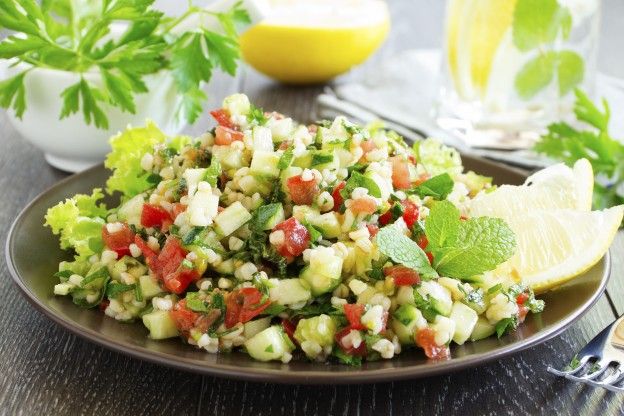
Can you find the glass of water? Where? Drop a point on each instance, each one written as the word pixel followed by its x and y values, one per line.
pixel 510 67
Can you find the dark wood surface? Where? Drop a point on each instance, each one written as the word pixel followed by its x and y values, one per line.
pixel 46 371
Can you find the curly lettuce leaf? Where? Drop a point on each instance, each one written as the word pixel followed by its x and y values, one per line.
pixel 78 221
pixel 436 158
pixel 128 147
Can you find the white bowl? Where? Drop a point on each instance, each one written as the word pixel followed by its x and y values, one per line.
pixel 72 145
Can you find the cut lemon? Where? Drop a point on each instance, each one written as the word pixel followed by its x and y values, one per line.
pixel 558 245
pixel 313 41
pixel 556 187
pixel 475 30
pixel 558 235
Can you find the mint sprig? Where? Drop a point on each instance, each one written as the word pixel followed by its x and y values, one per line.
pixel 464 249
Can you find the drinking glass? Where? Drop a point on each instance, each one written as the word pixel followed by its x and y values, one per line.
pixel 510 67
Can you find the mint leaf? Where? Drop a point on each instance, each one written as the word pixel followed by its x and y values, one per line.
pixel 481 244
pixel 535 75
pixel 114 288
pixel 396 245
pixel 463 249
pixel 442 224
pixel 505 325
pixel 570 70
pixel 438 187
pixel 537 22
pixel 357 180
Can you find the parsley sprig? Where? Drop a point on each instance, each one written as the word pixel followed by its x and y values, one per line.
pixel 567 143
pixel 77 36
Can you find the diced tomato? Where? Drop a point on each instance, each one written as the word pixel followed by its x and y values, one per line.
pixel 400 173
pixel 243 305
pixel 302 192
pixel 372 229
pixel 289 328
pixel 104 304
pixel 403 276
pixel 521 298
pixel 360 351
pixel 154 216
pixel 410 213
pixel 296 237
pixel 151 257
pixel 522 312
pixel 175 276
pixel 425 338
pixel 338 199
pixel 183 317
pixel 223 118
pixel 177 209
pixel 364 204
pixel 118 241
pixel 412 159
pixel 423 243
pixel 368 145
pixel 224 136
pixel 385 218
pixel 354 312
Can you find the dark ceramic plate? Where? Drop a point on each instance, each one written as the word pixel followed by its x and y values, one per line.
pixel 33 254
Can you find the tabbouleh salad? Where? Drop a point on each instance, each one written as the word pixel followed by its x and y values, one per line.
pixel 270 237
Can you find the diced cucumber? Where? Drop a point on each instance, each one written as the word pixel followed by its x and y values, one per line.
pixel 262 139
pixel 225 267
pixel 160 324
pixel 149 287
pixel 439 297
pixel 63 289
pixel 256 183
pixel 328 224
pixel 465 320
pixel 305 213
pixel 475 300
pixel 405 295
pixel 231 219
pixel 264 163
pixel 323 274
pixel 256 326
pixel 229 157
pixel 131 210
pixel 303 161
pixel 289 291
pixel 385 185
pixel 405 320
pixel 482 329
pixel 268 216
pixel 324 160
pixel 237 104
pixel 269 344
pixel 318 329
pixel 280 128
pixel 452 285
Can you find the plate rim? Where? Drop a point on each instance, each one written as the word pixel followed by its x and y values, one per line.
pixel 280 376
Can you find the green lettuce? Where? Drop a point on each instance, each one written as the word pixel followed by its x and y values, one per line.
pixel 78 221
pixel 437 158
pixel 128 147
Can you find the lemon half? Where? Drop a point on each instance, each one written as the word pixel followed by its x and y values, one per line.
pixel 313 41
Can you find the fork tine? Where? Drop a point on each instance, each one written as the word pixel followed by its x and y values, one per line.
pixel 603 365
pixel 563 373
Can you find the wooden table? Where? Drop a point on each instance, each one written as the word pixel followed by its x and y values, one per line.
pixel 47 371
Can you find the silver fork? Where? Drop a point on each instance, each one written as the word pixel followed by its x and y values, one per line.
pixel 601 362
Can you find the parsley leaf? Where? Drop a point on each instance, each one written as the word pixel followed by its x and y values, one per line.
pixel 463 249
pixel 357 180
pixel 213 172
pixel 438 187
pixel 396 245
pixel 568 144
pixel 286 158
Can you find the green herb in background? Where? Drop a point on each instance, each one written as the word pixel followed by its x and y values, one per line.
pixel 566 143
pixel 76 36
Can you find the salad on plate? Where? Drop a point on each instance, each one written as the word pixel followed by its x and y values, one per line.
pixel 330 241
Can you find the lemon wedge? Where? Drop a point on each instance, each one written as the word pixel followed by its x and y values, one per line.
pixel 558 235
pixel 313 41
pixel 556 246
pixel 556 187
